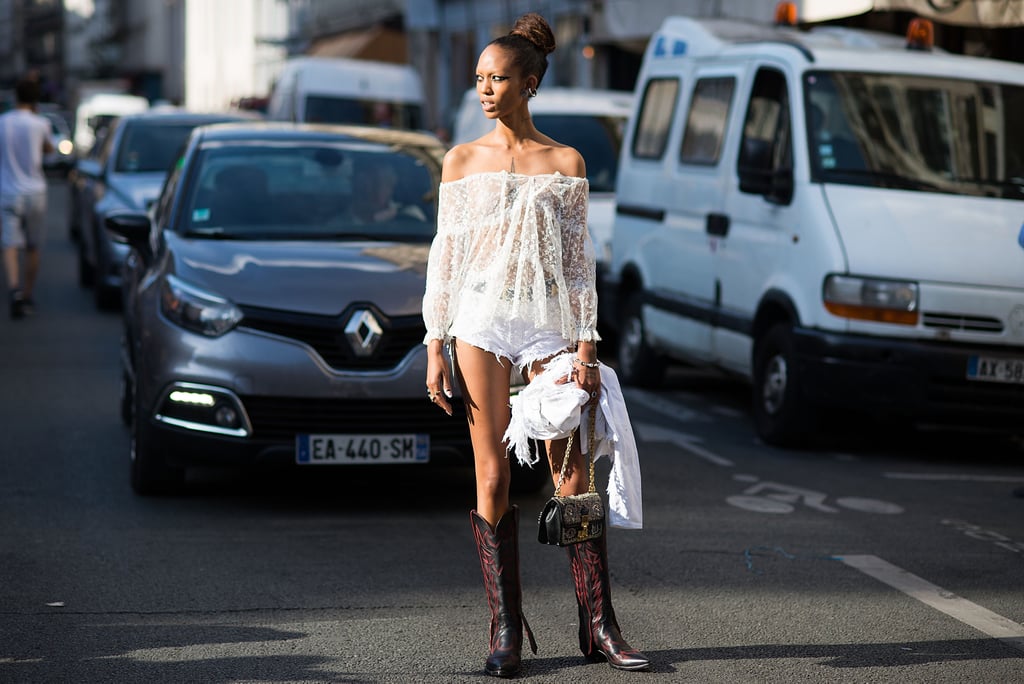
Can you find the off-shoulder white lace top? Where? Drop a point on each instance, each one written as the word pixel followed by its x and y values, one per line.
pixel 512 246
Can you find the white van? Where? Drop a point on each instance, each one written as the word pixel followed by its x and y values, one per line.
pixel 829 214
pixel 95 113
pixel 593 121
pixel 348 91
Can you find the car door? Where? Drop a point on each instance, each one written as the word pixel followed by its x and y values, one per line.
pixel 762 234
pixel 695 224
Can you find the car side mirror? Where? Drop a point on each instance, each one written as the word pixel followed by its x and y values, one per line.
pixel 131 228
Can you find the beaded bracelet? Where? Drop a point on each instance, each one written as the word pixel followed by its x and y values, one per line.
pixel 588 364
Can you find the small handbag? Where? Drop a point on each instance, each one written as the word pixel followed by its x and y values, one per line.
pixel 567 520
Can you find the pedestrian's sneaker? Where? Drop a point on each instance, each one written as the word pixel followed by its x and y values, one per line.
pixel 17 304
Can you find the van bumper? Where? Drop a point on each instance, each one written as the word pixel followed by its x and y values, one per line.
pixel 925 382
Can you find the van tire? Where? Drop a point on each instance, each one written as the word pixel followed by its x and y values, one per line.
pixel 781 417
pixel 639 364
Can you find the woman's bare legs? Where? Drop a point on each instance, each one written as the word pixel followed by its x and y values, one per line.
pixel 485 386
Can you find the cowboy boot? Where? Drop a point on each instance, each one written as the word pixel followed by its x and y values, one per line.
pixel 499 561
pixel 599 631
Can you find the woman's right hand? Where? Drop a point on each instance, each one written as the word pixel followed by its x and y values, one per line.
pixel 439 388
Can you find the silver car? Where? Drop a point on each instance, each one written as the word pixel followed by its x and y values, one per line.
pixel 273 306
pixel 125 171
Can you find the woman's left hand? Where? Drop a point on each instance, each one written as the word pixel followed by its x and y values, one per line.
pixel 587 379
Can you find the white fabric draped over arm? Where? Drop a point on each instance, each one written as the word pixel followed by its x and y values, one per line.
pixel 444 263
pixel 578 263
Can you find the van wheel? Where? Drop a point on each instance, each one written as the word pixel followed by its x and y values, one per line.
pixel 780 416
pixel 638 364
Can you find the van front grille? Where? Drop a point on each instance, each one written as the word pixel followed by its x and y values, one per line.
pixel 963 322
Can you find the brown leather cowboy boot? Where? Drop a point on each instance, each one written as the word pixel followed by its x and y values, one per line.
pixel 499 562
pixel 599 631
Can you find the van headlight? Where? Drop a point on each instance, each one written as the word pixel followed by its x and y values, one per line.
pixel 195 309
pixel 871 299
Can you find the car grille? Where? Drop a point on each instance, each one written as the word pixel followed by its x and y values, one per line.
pixel 281 418
pixel 964 322
pixel 326 334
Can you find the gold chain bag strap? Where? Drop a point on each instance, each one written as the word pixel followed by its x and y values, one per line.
pixel 567 520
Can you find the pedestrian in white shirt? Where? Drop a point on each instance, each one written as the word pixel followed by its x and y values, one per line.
pixel 24 139
pixel 510 285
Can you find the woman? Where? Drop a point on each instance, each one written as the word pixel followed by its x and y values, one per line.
pixel 510 284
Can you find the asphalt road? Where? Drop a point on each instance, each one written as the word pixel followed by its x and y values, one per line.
pixel 880 557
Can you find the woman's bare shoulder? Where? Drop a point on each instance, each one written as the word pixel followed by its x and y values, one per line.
pixel 456 161
pixel 568 161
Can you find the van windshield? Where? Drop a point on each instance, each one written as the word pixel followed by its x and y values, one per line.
pixel 916 133
pixel 344 110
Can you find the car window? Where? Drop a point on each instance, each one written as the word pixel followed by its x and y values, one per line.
pixel 150 147
pixel 655 118
pixel 596 137
pixel 312 192
pixel 705 123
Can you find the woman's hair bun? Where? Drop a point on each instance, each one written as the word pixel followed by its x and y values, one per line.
pixel 535 29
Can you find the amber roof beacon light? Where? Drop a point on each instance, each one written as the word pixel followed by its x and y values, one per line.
pixel 920 34
pixel 785 14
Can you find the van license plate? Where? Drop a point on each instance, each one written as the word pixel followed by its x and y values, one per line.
pixel 326 449
pixel 992 369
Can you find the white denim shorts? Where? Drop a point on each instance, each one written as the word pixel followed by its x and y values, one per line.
pixel 23 221
pixel 520 341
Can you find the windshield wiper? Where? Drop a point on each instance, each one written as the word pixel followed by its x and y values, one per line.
pixel 887 179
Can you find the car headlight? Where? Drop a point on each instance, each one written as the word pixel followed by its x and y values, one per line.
pixel 871 299
pixel 195 309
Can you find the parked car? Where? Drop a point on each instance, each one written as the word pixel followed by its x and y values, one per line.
pixel 125 172
pixel 591 120
pixel 62 159
pixel 832 214
pixel 268 321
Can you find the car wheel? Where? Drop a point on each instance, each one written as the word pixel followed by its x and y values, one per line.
pixel 527 480
pixel 107 298
pixel 86 273
pixel 781 417
pixel 150 473
pixel 127 398
pixel 639 364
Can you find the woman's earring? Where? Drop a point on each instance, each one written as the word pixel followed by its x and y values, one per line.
pixel 531 92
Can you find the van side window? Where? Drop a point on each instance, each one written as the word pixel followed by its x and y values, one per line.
pixel 766 147
pixel 654 119
pixel 705 124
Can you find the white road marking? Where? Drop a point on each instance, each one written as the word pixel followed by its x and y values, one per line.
pixel 981 619
pixel 670 409
pixel 954 477
pixel 656 433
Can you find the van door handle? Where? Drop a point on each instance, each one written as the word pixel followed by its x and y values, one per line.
pixel 718 225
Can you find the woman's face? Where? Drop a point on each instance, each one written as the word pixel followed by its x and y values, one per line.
pixel 499 83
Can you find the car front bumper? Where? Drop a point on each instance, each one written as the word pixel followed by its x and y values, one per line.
pixel 267 389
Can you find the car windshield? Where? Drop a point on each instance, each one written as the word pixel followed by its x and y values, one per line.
pixel 305 191
pixel 914 132
pixel 596 137
pixel 147 148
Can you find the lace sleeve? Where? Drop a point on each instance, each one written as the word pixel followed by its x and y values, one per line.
pixel 578 263
pixel 443 266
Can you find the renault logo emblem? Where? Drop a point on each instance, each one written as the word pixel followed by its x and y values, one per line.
pixel 363 332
